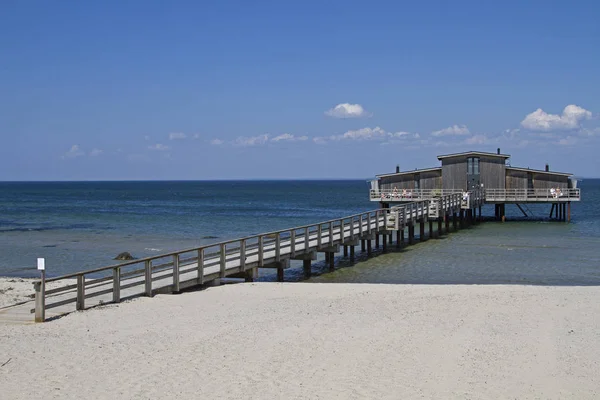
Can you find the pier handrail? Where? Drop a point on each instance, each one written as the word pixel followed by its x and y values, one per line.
pixel 189 250
pixel 410 194
pixel 546 195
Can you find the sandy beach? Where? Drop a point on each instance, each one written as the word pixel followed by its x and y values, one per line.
pixel 316 341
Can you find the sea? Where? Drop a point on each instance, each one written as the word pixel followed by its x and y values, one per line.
pixel 83 225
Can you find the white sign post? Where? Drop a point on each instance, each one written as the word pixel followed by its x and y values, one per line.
pixel 40 292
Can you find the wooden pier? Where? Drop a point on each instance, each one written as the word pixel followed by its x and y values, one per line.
pixel 240 258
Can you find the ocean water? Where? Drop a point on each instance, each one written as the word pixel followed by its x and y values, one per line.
pixel 83 225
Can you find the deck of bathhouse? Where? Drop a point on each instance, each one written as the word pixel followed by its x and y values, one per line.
pixel 508 196
pixel 240 258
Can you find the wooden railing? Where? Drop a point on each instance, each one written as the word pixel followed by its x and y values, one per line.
pixel 180 269
pixel 532 195
pixel 410 194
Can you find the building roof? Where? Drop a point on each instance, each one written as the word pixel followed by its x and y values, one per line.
pixel 415 171
pixel 473 153
pixel 538 171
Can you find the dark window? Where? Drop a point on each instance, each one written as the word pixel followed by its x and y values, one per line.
pixel 473 166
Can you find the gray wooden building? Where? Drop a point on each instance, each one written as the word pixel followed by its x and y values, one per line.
pixel 477 170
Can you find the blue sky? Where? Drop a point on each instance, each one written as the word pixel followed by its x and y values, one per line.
pixel 281 89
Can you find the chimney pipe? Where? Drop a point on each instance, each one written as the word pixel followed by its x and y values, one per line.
pixel 498 150
pixel 397 168
pixel 547 168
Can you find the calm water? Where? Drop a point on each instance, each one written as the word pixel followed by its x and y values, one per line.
pixel 84 225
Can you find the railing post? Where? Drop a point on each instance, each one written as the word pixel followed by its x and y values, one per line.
pixel 331 233
pixel 176 273
pixel 277 247
pixel 306 238
pixel 261 255
pixel 319 234
pixel 377 220
pixel 201 266
pixel 360 225
pixel 243 255
pixel 116 284
pixel 40 299
pixel 223 260
pixel 293 242
pixel 148 277
pixel 80 305
pixel 369 222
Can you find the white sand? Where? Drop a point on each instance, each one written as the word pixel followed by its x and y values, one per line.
pixel 15 290
pixel 316 341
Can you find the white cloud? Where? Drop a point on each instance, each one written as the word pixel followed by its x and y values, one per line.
pixel 251 141
pixel 95 152
pixel 159 147
pixel 570 119
pixel 362 134
pixel 347 110
pixel 177 136
pixel 454 130
pixel 289 137
pixel 568 141
pixel 477 140
pixel 74 151
pixel 367 133
pixel 216 142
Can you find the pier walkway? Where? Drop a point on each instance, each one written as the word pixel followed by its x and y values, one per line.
pixel 240 258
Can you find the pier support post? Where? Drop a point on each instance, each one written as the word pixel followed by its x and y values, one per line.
pixel 331 261
pixel 345 251
pixel 369 247
pixel 280 273
pixel 431 233
pixel 402 236
pixel 480 217
pixel 362 246
pixel 384 242
pixel 454 222
pixel 390 238
pixel 447 221
pixel 352 252
pixel 422 231
pixel 398 239
pixel 439 227
pixel 503 212
pixel 461 218
pixel 411 234
pixel 569 212
pixel 306 268
pixel 377 240
pixel 250 275
pixel 326 257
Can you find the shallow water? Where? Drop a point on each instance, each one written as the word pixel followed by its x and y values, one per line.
pixel 84 225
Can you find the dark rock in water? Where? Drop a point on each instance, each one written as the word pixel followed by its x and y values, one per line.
pixel 50 245
pixel 210 237
pixel 124 256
